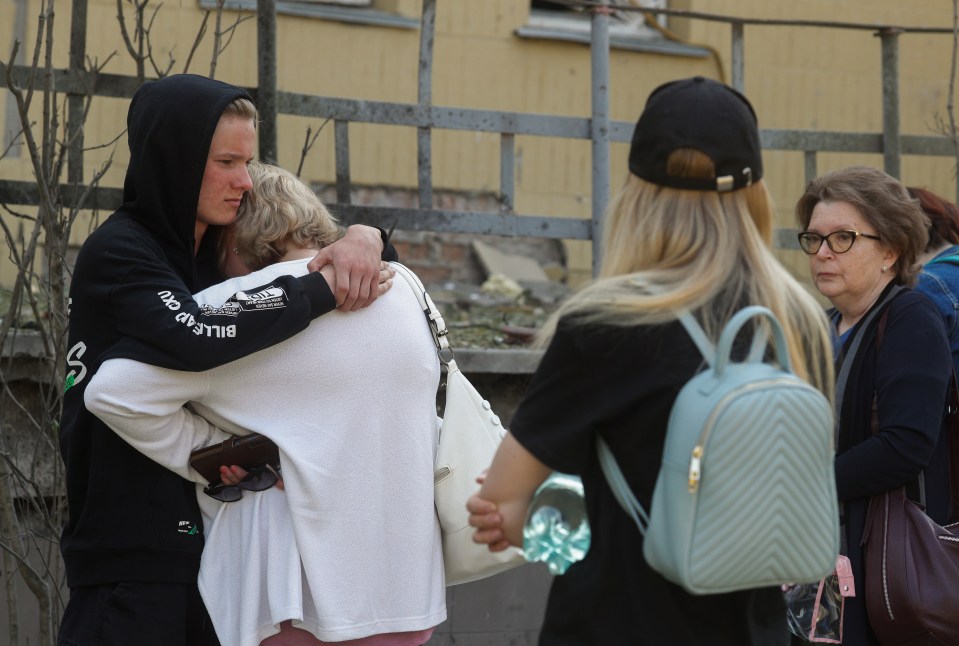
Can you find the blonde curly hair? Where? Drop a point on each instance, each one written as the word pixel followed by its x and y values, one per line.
pixel 279 212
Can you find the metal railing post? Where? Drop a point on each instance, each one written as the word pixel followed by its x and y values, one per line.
pixel 739 57
pixel 341 142
pixel 424 154
pixel 599 126
pixel 75 116
pixel 507 172
pixel 810 166
pixel 266 78
pixel 891 142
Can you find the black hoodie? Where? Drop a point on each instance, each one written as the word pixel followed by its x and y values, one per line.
pixel 129 518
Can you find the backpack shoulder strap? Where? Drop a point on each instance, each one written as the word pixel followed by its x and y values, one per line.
pixel 756 349
pixel 698 335
pixel 607 461
pixel 620 488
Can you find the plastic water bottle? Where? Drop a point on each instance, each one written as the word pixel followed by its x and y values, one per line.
pixel 557 529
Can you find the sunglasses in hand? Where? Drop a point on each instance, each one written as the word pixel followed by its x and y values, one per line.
pixel 259 478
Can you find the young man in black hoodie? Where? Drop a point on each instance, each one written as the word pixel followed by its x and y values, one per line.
pixel 133 539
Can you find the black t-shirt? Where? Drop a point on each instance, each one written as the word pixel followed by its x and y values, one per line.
pixel 621 383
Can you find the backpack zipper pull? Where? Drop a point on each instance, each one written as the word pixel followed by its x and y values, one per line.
pixel 694 468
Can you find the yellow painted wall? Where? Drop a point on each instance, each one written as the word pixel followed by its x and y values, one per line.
pixel 796 77
pixel 831 79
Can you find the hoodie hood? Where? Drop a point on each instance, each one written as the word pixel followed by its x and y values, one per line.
pixel 170 125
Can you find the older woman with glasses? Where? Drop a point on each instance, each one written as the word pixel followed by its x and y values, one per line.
pixel 864 234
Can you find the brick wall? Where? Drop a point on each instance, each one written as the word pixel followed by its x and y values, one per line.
pixel 438 258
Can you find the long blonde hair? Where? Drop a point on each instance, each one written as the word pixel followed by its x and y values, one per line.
pixel 667 249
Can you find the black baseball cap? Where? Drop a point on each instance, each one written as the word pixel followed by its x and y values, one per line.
pixel 703 114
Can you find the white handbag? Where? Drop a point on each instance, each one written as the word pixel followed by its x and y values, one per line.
pixel 469 436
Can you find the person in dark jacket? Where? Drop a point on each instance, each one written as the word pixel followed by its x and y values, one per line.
pixel 864 234
pixel 133 537
pixel 939 278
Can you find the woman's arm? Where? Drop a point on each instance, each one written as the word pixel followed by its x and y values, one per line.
pixel 144 405
pixel 558 433
pixel 913 368
pixel 510 483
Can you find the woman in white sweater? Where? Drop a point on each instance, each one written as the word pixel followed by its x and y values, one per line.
pixel 349 551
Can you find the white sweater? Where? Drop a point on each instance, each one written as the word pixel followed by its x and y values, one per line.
pixel 351 404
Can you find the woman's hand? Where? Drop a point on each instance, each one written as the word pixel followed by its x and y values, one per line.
pixel 498 510
pixel 359 277
pixel 386 280
pixel 232 475
pixel 487 521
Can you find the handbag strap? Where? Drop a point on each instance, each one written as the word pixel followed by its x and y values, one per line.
pixel 952 427
pixel 620 488
pixel 433 315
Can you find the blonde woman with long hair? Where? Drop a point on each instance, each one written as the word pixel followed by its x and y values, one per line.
pixel 691 229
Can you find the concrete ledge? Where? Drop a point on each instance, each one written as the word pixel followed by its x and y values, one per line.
pixel 23 358
pixel 504 362
pixel 26 344
pixel 23 344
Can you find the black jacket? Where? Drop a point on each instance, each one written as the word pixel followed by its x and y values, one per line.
pixel 621 383
pixel 908 376
pixel 130 296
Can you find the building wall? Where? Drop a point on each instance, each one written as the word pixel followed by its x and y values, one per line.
pixel 797 77
pixel 831 79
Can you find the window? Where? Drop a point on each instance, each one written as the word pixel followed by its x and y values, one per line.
pixel 352 3
pixel 548 14
pixel 362 12
pixel 559 20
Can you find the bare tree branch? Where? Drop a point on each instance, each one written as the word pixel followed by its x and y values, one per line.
pixel 219 46
pixel 196 41
pixel 216 38
pixel 127 41
pixel 149 44
pixel 308 145
pixel 231 31
pixel 14 141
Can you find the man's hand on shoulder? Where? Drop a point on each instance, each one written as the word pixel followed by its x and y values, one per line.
pixel 359 276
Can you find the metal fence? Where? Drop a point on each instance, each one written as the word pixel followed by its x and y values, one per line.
pixel 598 128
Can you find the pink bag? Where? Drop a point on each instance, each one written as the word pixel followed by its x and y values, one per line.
pixel 814 611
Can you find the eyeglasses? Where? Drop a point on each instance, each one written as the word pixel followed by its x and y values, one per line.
pixel 259 478
pixel 839 241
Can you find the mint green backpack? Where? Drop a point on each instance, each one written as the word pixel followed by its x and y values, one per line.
pixel 746 494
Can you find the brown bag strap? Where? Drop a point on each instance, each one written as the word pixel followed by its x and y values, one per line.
pixel 952 428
